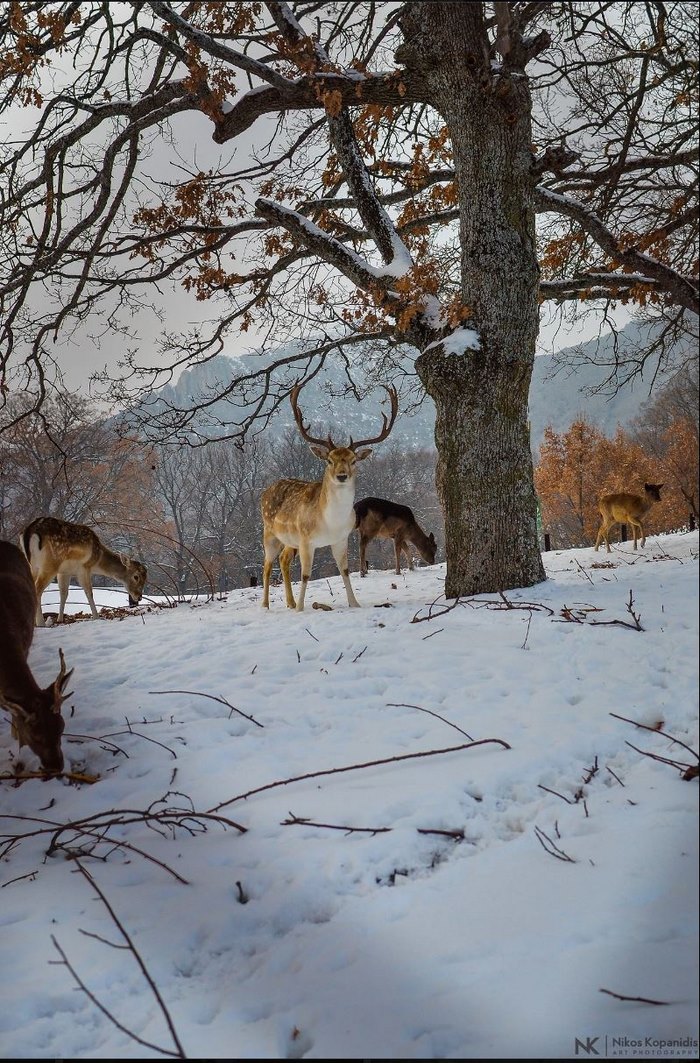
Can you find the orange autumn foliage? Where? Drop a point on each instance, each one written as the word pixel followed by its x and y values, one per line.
pixel 577 466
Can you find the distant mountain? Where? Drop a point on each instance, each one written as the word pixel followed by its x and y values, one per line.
pixel 563 385
pixel 562 389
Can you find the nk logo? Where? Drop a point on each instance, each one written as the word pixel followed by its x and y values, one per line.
pixel 587 1047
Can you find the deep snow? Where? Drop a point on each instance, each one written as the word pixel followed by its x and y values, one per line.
pixel 397 943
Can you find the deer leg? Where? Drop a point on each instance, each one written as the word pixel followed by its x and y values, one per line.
pixel 306 556
pixel 286 558
pixel 272 547
pixel 603 534
pixel 63 580
pixel 340 553
pixel 40 584
pixel 398 547
pixel 406 549
pixel 363 555
pixel 638 531
pixel 86 583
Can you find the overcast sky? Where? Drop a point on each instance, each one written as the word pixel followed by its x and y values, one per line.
pixel 95 345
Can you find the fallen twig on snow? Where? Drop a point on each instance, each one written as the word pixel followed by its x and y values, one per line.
pixel 406 705
pixel 301 821
pixel 580 616
pixel 637 1000
pixel 690 771
pixel 482 603
pixel 213 697
pixel 357 767
pixel 550 847
pixel 86 837
pixel 179 1052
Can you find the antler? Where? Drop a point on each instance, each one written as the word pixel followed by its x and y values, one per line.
pixel 388 423
pixel 327 443
pixel 61 681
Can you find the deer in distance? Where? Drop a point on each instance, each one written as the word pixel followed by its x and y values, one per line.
pixel 36 714
pixel 59 549
pixel 382 519
pixel 300 516
pixel 625 508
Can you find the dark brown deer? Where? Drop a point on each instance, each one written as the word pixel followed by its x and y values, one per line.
pixel 57 549
pixel 377 518
pixel 36 714
pixel 301 516
pixel 626 508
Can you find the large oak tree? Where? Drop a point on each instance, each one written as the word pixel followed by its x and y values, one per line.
pixel 408 151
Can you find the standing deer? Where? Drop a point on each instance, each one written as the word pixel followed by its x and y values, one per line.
pixel 626 508
pixel 36 714
pixel 301 516
pixel 59 549
pixel 379 518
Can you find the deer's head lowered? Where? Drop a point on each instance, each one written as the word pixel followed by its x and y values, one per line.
pixel 37 721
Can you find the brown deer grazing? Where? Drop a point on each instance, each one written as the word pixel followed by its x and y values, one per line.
pixel 57 548
pixel 301 516
pixel 626 509
pixel 36 714
pixel 379 518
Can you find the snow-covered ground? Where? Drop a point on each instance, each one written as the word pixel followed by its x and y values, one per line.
pixel 567 863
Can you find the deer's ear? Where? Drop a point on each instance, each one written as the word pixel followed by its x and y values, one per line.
pixel 360 455
pixel 320 452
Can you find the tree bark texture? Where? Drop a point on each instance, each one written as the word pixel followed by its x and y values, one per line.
pixel 484 473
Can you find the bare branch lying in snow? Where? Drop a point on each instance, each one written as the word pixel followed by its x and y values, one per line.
pixel 178 1052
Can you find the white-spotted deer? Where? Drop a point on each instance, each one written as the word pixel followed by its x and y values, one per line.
pixel 378 518
pixel 59 549
pixel 301 516
pixel 36 714
pixel 626 508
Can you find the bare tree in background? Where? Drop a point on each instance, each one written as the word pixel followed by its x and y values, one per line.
pixel 68 462
pixel 407 151
pixel 667 430
pixel 232 528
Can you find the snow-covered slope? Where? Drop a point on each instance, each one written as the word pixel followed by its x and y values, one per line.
pixel 464 904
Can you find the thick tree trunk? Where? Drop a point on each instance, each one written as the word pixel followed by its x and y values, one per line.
pixel 485 474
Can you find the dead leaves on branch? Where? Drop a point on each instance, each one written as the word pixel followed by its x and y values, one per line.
pixel 32 36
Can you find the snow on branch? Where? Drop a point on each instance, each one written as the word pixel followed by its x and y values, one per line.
pixel 378 223
pixel 458 342
pixel 355 268
pixel 342 134
pixel 214 47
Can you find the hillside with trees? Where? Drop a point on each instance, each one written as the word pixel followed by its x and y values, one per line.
pixel 193 513
pixel 417 177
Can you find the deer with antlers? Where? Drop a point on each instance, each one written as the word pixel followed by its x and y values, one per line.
pixel 299 516
pixel 36 714
pixel 58 549
pixel 625 508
